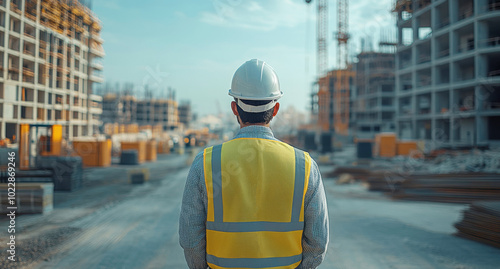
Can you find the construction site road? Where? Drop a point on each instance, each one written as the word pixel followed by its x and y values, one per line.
pixel 113 224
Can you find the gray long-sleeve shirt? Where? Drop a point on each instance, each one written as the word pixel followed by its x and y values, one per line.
pixel 192 223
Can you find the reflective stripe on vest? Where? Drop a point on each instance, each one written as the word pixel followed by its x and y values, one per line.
pixel 255 215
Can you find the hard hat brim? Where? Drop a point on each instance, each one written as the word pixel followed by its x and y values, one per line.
pixel 240 96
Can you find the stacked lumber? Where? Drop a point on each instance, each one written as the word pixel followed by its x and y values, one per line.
pixel 68 171
pixel 481 222
pixel 31 198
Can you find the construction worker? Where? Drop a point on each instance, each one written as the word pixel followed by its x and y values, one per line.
pixel 254 201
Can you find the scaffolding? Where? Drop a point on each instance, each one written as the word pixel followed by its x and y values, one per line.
pixel 69 17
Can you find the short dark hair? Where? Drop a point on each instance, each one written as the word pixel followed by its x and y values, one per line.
pixel 260 117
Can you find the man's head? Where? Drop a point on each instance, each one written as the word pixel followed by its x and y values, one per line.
pixel 255 88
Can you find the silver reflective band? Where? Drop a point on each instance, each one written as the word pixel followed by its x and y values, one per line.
pixel 256 109
pixel 255 226
pixel 254 262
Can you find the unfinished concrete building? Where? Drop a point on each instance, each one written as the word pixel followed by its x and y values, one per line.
pixel 119 109
pixel 334 101
pixel 373 108
pixel 448 72
pixel 185 113
pixel 158 111
pixel 50 55
pixel 127 109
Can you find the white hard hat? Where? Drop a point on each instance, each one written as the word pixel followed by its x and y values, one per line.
pixel 255 80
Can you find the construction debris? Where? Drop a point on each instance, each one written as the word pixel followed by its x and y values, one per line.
pixel 481 222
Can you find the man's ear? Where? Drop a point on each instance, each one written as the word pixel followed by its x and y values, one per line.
pixel 276 108
pixel 234 108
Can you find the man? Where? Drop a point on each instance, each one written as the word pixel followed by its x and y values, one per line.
pixel 254 201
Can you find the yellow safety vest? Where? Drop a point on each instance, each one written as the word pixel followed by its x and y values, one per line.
pixel 255 215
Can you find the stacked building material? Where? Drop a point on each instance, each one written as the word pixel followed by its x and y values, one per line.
pixel 358 173
pixel 453 188
pixel 481 222
pixel 139 146
pixel 38 176
pixel 384 181
pixel 31 198
pixel 129 157
pixel 68 171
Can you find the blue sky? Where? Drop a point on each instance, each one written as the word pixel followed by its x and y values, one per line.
pixel 194 46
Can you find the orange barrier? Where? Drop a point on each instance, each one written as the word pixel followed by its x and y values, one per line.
pixel 93 153
pixel 140 146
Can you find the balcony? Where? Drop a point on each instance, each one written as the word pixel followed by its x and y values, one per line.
pixel 97 65
pixel 15 8
pixel 96 78
pixel 465 13
pixel 490 42
pixel 28 75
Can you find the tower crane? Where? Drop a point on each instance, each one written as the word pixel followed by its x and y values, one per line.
pixel 341 95
pixel 322 35
pixel 338 99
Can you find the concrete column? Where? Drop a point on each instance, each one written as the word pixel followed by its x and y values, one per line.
pixel 453 6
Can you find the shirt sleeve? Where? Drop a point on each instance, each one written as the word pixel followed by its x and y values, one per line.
pixel 316 227
pixel 193 216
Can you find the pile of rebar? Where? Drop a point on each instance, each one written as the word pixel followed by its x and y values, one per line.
pixel 450 188
pixel 481 222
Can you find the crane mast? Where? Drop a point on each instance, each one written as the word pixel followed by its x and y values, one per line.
pixel 322 60
pixel 341 94
pixel 333 104
pixel 342 33
pixel 322 37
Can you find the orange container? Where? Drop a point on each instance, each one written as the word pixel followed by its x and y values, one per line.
pixel 385 145
pixel 405 148
pixel 93 153
pixel 140 146
pixel 151 151
pixel 163 147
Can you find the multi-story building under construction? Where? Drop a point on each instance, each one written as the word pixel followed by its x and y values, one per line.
pixel 127 109
pixel 50 53
pixel 373 107
pixel 334 101
pixel 448 71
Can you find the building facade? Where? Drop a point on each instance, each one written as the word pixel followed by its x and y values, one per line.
pixel 448 72
pixel 185 114
pixel 373 104
pixel 334 101
pixel 127 109
pixel 164 112
pixel 50 55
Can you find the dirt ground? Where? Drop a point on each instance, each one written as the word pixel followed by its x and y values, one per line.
pixel 112 224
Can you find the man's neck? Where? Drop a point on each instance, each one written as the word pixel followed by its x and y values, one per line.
pixel 243 125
